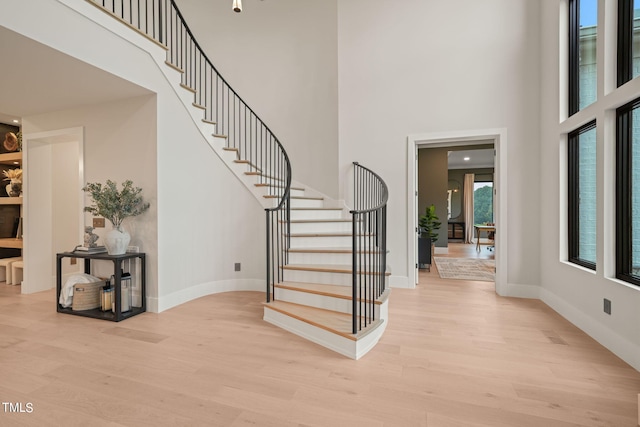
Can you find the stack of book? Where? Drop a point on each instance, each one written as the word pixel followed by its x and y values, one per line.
pixel 92 250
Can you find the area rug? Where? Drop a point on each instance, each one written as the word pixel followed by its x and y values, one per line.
pixel 466 268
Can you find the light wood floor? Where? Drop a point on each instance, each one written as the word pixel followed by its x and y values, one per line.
pixel 454 354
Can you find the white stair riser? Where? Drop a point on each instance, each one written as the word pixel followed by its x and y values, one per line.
pixel 341 305
pixel 297 193
pixel 321 227
pixel 326 339
pixel 337 343
pixel 269 181
pixel 319 258
pixel 306 203
pixel 316 214
pixel 314 300
pixel 306 276
pixel 321 242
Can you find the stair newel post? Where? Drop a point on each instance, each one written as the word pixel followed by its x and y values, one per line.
pixel 288 202
pixel 354 276
pixel 268 255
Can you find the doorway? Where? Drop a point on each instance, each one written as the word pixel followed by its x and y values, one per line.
pixel 53 203
pixel 455 139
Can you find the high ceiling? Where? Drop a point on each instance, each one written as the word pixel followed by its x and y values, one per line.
pixel 37 79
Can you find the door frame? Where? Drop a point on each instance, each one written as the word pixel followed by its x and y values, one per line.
pixel 451 139
pixel 34 261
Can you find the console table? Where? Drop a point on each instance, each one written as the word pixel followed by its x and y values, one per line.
pixel 117 260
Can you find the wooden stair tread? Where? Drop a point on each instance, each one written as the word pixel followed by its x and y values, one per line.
pixel 175 67
pixel 316 209
pixel 311 221
pixel 265 184
pixel 299 197
pixel 327 250
pixel 327 234
pixel 273 178
pixel 189 88
pixel 331 321
pixel 246 162
pixel 335 291
pixel 323 268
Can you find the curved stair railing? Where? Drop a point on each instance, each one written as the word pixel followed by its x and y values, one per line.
pixel 369 244
pixel 245 133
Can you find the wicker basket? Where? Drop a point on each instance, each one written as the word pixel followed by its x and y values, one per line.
pixel 86 296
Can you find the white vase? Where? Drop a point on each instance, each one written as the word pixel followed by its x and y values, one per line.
pixel 14 188
pixel 117 241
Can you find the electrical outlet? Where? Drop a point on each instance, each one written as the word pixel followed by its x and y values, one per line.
pixel 607 306
pixel 98 222
pixel 135 249
pixel 237 266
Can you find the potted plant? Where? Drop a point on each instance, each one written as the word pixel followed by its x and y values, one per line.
pixel 429 224
pixel 14 176
pixel 115 206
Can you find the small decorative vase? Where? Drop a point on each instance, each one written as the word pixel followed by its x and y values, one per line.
pixel 14 188
pixel 117 241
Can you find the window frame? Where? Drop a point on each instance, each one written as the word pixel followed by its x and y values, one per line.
pixel 573 181
pixel 625 42
pixel 574 56
pixel 624 247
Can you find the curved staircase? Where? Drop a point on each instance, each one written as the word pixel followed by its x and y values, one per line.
pixel 313 243
pixel 314 299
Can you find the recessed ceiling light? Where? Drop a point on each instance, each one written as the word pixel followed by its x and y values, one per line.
pixel 466 159
pixel 16 121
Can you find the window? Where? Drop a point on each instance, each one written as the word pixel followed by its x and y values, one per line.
pixel 628 193
pixel 483 202
pixel 582 196
pixel 628 40
pixel 583 19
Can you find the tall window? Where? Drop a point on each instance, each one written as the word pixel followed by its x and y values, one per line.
pixel 628 40
pixel 628 193
pixel 582 196
pixel 482 202
pixel 583 19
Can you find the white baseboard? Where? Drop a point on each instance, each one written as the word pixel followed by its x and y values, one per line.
pixel 165 302
pixel 517 290
pixel 621 347
pixel 400 282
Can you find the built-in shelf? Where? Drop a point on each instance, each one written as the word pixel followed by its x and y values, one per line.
pixel 11 158
pixel 11 200
pixel 11 242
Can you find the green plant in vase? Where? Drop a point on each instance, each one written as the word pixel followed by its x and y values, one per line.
pixel 430 223
pixel 116 205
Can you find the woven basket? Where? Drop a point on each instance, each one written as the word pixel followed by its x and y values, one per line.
pixel 86 296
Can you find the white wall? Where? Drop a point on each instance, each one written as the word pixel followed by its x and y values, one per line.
pixel 119 144
pixel 441 66
pixel 575 292
pixel 281 58
pixel 193 232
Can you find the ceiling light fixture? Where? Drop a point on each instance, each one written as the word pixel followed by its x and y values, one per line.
pixel 16 121
pixel 466 159
pixel 237 6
